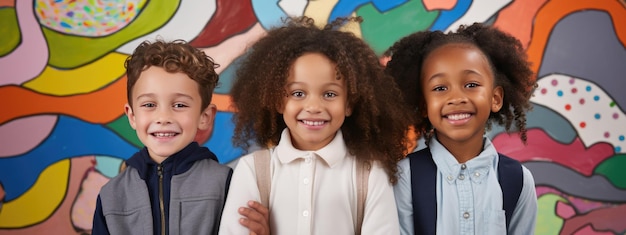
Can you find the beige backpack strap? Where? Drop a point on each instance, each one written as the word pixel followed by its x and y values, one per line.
pixel 263 178
pixel 362 179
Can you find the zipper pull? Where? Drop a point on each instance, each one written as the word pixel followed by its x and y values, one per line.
pixel 160 170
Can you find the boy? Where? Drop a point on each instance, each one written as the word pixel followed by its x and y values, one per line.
pixel 173 185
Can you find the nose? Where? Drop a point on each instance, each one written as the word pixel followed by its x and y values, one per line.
pixel 313 105
pixel 457 97
pixel 163 115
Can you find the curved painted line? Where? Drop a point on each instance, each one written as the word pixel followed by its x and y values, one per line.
pixel 40 201
pixel 542 147
pixel 70 51
pixel 229 50
pixel 553 11
pixel 268 13
pixel 31 55
pixel 570 182
pixel 548 222
pixel 344 8
pixel 231 17
pixel 220 143
pixel 70 138
pixel 610 220
pixel 517 19
pixel 479 11
pixel 85 204
pixel 85 79
pixel 61 221
pixel 22 135
pixel 447 17
pixel 89 107
pixel 179 27
pixel 443 5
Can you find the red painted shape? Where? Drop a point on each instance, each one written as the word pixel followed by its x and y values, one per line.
pixel 231 17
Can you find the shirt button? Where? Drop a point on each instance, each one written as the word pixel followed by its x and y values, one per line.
pixel 450 177
pixel 466 215
pixel 476 174
pixel 461 176
pixel 306 181
pixel 307 160
pixel 463 166
pixel 305 213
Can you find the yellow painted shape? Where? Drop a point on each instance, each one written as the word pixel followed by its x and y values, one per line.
pixel 548 222
pixel 85 79
pixel 320 11
pixel 40 201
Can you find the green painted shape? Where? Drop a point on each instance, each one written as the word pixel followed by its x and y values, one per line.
pixel 70 51
pixel 613 169
pixel 122 128
pixel 10 31
pixel 548 222
pixel 381 30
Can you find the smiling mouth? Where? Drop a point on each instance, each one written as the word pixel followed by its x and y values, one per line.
pixel 313 123
pixel 458 116
pixel 164 134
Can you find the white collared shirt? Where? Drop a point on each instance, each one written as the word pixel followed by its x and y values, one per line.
pixel 469 198
pixel 312 192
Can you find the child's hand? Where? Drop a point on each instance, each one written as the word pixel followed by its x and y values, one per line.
pixel 256 218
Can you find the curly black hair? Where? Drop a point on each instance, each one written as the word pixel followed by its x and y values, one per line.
pixel 508 62
pixel 376 129
pixel 173 56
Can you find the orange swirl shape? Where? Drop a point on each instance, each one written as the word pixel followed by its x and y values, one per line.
pixel 101 106
pixel 555 10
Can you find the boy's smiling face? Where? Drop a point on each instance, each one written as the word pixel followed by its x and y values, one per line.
pixel 459 92
pixel 316 103
pixel 166 111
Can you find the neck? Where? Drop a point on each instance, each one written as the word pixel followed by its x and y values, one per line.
pixel 463 151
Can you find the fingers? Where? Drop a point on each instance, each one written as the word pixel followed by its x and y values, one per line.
pixel 255 218
pixel 259 208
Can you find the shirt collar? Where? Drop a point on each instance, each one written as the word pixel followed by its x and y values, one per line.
pixel 477 168
pixel 332 153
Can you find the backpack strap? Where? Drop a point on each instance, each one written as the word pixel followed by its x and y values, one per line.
pixel 263 178
pixel 424 194
pixel 362 180
pixel 511 178
pixel 424 178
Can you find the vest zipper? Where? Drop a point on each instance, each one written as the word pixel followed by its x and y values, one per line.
pixel 161 206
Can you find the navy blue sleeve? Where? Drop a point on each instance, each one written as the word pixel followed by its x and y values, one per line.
pixel 99 223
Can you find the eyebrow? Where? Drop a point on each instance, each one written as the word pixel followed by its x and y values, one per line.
pixel 466 71
pixel 152 95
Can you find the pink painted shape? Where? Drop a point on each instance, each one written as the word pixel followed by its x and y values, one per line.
pixel 541 147
pixel 439 4
pixel 85 204
pixel 564 210
pixel 582 206
pixel 21 135
pixel 588 230
pixel 31 56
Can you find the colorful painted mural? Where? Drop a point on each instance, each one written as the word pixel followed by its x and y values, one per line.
pixel 62 87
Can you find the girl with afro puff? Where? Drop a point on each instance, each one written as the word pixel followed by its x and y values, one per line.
pixel 319 100
pixel 457 85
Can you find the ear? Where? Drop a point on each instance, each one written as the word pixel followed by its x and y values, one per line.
pixel 207 118
pixel 348 110
pixel 131 115
pixel 498 99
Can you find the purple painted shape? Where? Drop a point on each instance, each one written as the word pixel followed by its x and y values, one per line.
pixel 22 135
pixel 31 56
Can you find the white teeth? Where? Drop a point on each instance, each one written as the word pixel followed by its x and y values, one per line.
pixel 313 123
pixel 164 134
pixel 458 116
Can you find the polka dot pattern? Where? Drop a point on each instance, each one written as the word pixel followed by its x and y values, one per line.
pixel 588 108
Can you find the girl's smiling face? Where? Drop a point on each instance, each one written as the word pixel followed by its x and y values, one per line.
pixel 316 103
pixel 459 92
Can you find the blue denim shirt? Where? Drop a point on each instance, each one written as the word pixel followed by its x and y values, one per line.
pixel 469 198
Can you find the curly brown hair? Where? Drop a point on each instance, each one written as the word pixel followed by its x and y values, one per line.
pixel 175 56
pixel 508 62
pixel 376 129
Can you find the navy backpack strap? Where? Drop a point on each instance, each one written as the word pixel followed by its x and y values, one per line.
pixel 511 178
pixel 423 181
